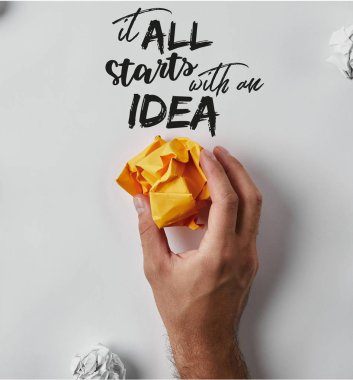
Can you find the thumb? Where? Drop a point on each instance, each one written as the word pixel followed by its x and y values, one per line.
pixel 154 241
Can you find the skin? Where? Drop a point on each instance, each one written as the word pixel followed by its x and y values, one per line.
pixel 201 294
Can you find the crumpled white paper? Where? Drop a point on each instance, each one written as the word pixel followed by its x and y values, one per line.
pixel 98 363
pixel 342 43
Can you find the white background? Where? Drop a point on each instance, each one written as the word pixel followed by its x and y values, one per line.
pixel 71 268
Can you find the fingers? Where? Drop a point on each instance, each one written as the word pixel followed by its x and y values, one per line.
pixel 223 212
pixel 154 241
pixel 250 199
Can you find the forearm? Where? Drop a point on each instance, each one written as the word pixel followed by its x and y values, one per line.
pixel 196 357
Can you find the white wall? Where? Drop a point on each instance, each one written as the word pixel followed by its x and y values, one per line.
pixel 70 265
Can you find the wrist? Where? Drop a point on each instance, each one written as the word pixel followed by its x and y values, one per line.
pixel 203 356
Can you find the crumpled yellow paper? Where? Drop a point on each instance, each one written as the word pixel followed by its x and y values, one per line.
pixel 170 173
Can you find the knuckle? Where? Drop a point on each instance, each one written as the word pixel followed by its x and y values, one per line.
pixel 247 271
pixel 258 198
pixel 215 169
pixel 223 262
pixel 148 272
pixel 236 164
pixel 250 265
pixel 145 226
pixel 216 268
pixel 153 270
pixel 230 199
pixel 254 198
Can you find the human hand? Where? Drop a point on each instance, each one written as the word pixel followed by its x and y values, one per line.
pixel 201 293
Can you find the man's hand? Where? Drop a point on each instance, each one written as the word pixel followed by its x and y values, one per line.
pixel 201 294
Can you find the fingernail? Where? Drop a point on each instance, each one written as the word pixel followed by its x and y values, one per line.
pixel 139 204
pixel 209 154
pixel 223 150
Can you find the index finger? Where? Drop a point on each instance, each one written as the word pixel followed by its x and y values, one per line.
pixel 223 212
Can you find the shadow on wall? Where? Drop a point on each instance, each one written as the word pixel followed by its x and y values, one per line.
pixel 132 372
pixel 274 241
pixel 3 6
